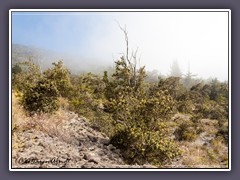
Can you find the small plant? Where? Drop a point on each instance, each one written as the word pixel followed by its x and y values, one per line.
pixel 223 132
pixel 186 132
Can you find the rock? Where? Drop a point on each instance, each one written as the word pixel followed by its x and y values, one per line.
pixel 76 142
pixel 117 151
pixel 88 165
pixel 111 147
pixel 104 141
pixel 93 160
pixel 86 157
pixel 92 149
pixel 92 138
pixel 79 145
pixel 89 156
pixel 101 153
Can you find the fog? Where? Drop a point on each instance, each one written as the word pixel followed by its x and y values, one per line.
pixel 197 40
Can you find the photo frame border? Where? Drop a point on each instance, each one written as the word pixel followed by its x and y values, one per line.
pixel 120 10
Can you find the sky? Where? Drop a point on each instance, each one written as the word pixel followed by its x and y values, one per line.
pixel 198 40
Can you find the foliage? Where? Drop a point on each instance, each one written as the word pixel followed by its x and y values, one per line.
pixel 133 111
pixel 41 97
pixel 60 76
pixel 86 96
pixel 16 69
pixel 223 132
pixel 186 131
pixel 198 101
pixel 140 114
pixel 172 86
pixel 141 145
pixel 24 75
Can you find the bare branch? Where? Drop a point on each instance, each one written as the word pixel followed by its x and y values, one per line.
pixel 139 65
pixel 132 61
pixel 126 40
pixel 134 55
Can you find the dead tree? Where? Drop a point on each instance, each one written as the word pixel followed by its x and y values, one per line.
pixel 132 60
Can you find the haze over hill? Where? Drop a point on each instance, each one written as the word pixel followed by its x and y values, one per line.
pixel 94 39
pixel 44 58
pixel 77 64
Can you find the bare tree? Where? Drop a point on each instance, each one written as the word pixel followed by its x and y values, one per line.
pixel 132 60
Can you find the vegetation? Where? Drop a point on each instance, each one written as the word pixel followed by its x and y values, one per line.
pixel 41 98
pixel 135 111
pixel 136 114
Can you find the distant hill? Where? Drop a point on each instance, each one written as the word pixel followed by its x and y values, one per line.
pixel 45 58
pixel 39 56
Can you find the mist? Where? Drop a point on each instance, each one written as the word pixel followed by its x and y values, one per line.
pixel 196 40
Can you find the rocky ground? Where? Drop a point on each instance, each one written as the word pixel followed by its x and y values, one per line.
pixel 73 143
pixel 79 146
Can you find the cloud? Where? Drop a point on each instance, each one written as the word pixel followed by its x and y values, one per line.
pixel 198 38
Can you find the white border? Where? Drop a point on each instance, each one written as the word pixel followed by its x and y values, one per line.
pixel 119 10
pixel 229 90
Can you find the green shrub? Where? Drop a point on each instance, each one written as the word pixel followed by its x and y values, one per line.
pixel 140 112
pixel 41 98
pixel 186 132
pixel 16 69
pixel 223 131
pixel 139 145
pixel 213 110
pixel 25 75
pixel 60 76
pixel 141 131
pixel 87 95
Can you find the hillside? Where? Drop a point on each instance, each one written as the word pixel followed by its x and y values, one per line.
pixel 116 121
pixel 65 140
pixel 61 141
pixel 44 58
pixel 83 148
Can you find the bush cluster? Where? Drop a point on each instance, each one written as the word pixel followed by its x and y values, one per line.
pixel 133 112
pixel 41 97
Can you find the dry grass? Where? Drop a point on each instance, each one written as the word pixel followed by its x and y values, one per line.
pixel 194 156
pixel 19 118
pixel 204 152
pixel 50 124
pixel 198 156
pixel 18 114
pixel 210 126
pixel 63 104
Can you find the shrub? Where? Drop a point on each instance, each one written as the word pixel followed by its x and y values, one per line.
pixel 223 131
pixel 87 95
pixel 186 132
pixel 60 76
pixel 141 145
pixel 212 110
pixel 140 113
pixel 24 75
pixel 41 98
pixel 16 69
pixel 141 129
